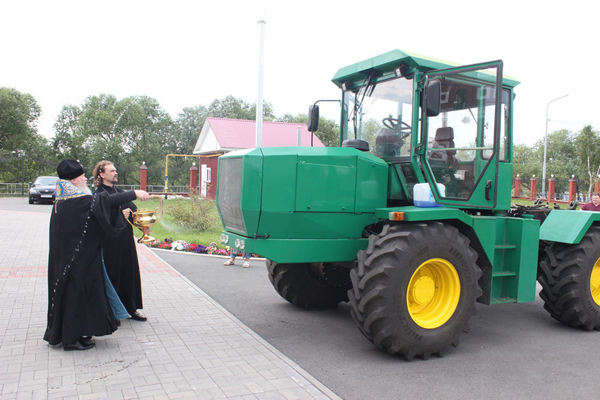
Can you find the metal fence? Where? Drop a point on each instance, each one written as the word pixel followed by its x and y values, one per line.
pixel 564 196
pixel 14 189
pixel 157 188
pixel 22 189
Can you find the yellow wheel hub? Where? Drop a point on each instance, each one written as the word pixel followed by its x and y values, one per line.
pixel 434 291
pixel 595 282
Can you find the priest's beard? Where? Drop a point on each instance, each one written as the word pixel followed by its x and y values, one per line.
pixel 84 188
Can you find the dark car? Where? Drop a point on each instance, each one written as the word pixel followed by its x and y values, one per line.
pixel 43 189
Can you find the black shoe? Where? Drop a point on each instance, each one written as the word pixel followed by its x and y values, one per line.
pixel 138 316
pixel 77 345
pixel 86 340
pixel 118 322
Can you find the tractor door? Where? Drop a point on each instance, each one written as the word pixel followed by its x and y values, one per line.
pixel 462 146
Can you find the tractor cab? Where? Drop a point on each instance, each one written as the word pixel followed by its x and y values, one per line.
pixel 432 122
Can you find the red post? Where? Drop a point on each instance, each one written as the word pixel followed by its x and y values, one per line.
pixel 551 188
pixel 193 179
pixel 533 188
pixel 572 188
pixel 517 186
pixel 144 176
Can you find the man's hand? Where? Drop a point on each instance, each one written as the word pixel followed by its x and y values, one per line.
pixel 142 195
pixel 126 212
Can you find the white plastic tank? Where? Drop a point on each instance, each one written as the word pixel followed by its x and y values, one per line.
pixel 422 196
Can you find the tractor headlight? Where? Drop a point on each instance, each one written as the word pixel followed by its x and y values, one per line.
pixel 224 238
pixel 239 244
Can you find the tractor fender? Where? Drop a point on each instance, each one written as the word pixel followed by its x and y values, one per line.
pixel 568 226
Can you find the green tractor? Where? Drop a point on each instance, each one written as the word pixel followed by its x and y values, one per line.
pixel 410 219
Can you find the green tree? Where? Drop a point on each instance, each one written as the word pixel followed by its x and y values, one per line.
pixel 527 162
pixel 561 158
pixel 232 107
pixel 126 132
pixel 191 119
pixel 370 130
pixel 19 113
pixel 587 144
pixel 24 154
pixel 189 125
pixel 65 128
pixel 328 132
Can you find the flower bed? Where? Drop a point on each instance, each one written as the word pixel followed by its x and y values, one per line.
pixel 182 245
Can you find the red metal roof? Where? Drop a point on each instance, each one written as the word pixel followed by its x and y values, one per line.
pixel 241 133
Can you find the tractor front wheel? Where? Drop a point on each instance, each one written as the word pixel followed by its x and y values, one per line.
pixel 415 288
pixel 570 280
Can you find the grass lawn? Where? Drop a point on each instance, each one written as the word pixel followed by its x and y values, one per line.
pixel 168 227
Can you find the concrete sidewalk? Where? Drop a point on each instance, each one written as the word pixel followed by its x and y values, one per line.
pixel 190 347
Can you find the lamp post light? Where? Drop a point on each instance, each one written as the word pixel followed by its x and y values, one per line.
pixel 21 155
pixel 546 146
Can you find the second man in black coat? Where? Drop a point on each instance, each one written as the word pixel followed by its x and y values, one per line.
pixel 120 254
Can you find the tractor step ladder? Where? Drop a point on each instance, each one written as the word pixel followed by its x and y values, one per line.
pixel 514 268
pixel 500 274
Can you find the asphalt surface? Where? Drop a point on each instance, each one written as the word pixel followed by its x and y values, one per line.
pixel 513 351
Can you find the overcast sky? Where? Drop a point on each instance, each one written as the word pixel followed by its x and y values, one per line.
pixel 186 53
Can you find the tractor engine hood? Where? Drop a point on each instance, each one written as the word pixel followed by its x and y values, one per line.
pixel 300 192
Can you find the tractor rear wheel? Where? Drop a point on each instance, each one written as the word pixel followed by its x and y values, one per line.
pixel 415 288
pixel 570 279
pixel 310 285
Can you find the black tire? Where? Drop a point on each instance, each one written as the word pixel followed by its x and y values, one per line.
pixel 310 286
pixel 570 279
pixel 31 201
pixel 392 263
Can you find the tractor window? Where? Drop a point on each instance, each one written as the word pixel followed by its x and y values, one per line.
pixel 461 137
pixel 488 137
pixel 381 114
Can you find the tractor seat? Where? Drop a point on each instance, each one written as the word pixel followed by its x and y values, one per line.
pixel 444 137
pixel 358 144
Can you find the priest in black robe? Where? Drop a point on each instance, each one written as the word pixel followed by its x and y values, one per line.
pixel 120 254
pixel 78 305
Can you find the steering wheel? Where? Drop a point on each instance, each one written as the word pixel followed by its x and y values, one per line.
pixel 400 127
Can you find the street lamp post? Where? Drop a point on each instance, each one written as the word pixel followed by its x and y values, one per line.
pixel 546 146
pixel 23 174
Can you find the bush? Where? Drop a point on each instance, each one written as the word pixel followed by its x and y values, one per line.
pixel 196 214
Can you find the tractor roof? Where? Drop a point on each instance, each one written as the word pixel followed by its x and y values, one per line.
pixel 387 62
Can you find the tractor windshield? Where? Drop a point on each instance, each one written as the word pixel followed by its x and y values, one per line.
pixel 381 114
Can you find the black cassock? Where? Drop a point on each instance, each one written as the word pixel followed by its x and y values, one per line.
pixel 77 301
pixel 120 257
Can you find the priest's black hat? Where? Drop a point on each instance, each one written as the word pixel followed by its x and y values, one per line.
pixel 69 169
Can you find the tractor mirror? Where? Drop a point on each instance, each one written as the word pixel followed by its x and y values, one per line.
pixel 313 118
pixel 432 100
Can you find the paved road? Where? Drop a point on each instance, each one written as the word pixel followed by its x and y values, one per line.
pixel 513 351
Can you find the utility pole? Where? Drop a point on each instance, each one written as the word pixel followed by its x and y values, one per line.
pixel 546 147
pixel 259 101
